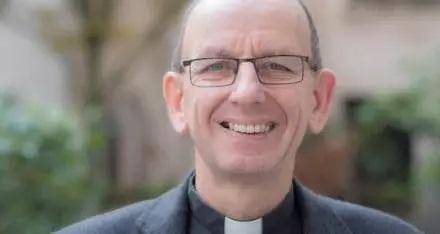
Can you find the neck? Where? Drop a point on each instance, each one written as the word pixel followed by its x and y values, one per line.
pixel 243 197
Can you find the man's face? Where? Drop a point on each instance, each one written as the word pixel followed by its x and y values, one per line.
pixel 246 29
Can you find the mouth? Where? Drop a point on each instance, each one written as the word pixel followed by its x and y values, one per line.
pixel 250 129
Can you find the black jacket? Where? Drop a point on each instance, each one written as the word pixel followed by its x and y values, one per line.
pixel 168 214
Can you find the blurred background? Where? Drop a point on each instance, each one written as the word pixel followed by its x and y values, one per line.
pixel 83 127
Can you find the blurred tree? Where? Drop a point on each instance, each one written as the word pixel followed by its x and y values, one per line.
pixel 96 23
pixel 387 124
pixel 3 4
pixel 415 110
pixel 44 180
pixel 97 29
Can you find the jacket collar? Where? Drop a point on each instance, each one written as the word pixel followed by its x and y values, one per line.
pixel 169 213
pixel 317 216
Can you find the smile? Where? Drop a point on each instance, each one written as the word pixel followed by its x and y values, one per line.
pixel 259 128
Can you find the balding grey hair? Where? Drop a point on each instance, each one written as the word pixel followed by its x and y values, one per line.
pixel 315 61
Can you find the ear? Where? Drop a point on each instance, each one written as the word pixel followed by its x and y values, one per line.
pixel 172 87
pixel 323 95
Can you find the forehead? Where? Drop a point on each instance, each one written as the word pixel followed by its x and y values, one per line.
pixel 254 27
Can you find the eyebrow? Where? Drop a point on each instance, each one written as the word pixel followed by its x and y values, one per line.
pixel 215 52
pixel 278 51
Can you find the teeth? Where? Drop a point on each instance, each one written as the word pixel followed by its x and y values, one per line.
pixel 250 128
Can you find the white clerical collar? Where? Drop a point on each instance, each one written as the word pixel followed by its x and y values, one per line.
pixel 243 227
pixel 284 219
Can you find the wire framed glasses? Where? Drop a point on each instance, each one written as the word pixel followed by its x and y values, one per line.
pixel 270 70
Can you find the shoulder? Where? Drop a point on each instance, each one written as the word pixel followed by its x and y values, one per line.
pixel 322 214
pixel 361 219
pixel 161 212
pixel 122 220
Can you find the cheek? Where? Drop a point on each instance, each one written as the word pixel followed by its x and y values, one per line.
pixel 295 116
pixel 191 109
pixel 294 105
pixel 304 102
pixel 199 106
pixel 297 110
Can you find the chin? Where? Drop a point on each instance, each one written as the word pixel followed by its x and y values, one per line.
pixel 254 164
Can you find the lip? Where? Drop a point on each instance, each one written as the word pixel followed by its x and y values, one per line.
pixel 243 136
pixel 262 120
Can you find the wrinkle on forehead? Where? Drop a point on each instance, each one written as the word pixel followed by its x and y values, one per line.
pixel 246 10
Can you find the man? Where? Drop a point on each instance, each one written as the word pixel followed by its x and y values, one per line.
pixel 247 84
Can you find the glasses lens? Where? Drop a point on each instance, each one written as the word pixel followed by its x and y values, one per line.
pixel 280 69
pixel 213 72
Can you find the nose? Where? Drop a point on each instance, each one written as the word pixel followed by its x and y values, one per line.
pixel 247 88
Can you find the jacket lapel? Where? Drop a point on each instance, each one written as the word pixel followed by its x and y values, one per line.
pixel 169 213
pixel 166 214
pixel 317 216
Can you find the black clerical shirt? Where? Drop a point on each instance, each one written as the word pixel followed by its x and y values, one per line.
pixel 284 219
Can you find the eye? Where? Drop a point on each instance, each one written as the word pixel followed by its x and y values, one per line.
pixel 277 67
pixel 216 67
pixel 212 66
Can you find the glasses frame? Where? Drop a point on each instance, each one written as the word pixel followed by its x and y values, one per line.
pixel 304 59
